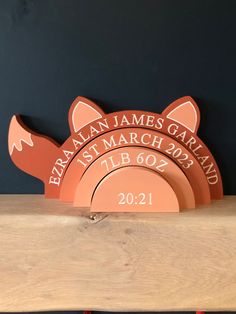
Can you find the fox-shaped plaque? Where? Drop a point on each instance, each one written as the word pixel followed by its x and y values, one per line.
pixel 127 161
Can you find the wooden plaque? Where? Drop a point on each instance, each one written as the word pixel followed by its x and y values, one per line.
pixel 127 161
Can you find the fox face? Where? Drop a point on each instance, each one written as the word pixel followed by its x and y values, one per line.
pixel 122 161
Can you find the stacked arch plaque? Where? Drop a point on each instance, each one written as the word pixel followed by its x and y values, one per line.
pixel 127 161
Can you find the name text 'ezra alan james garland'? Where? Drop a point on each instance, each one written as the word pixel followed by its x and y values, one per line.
pixel 132 138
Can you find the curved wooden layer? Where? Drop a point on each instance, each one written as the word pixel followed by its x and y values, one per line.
pixel 134 189
pixel 162 124
pixel 41 157
pixel 133 156
pixel 194 172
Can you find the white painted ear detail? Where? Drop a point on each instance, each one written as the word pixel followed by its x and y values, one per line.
pixel 186 115
pixel 83 114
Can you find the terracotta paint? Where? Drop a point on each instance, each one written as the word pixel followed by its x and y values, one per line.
pixel 128 157
pixel 191 172
pixel 134 189
pixel 162 143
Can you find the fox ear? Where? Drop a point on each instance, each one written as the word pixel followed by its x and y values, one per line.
pixel 82 112
pixel 184 111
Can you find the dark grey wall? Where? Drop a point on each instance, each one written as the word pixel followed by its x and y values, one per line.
pixel 126 54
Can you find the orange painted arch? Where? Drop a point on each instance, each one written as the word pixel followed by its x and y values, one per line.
pixel 137 157
pixel 150 192
pixel 216 190
pixel 194 174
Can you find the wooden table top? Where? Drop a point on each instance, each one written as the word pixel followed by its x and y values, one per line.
pixel 56 257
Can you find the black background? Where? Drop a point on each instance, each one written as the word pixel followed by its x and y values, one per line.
pixel 122 54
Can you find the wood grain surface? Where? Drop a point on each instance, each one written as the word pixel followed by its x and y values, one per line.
pixel 56 257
